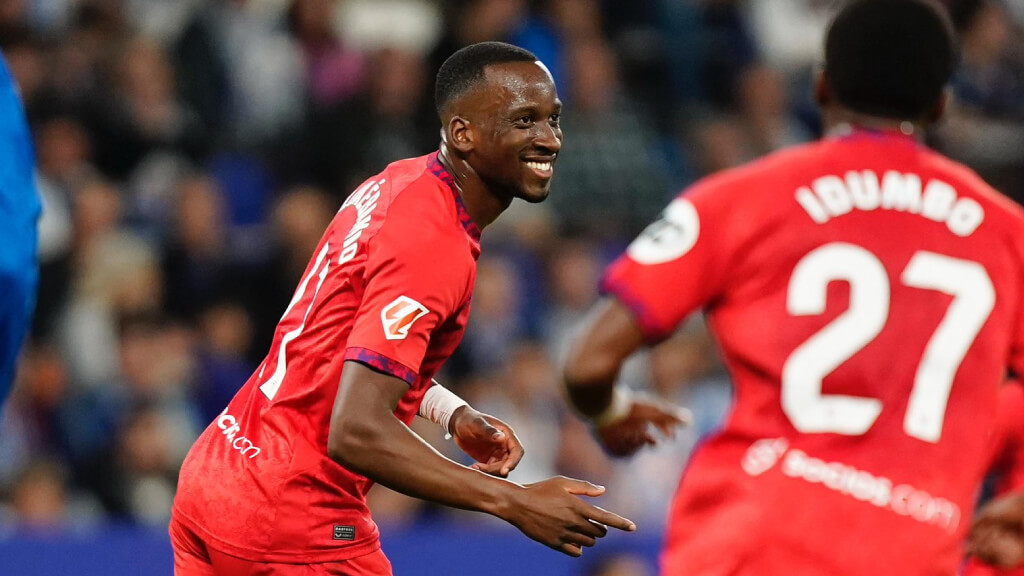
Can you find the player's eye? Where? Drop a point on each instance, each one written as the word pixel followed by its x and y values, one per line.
pixel 524 121
pixel 555 119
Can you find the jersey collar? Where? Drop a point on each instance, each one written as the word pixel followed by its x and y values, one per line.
pixel 846 131
pixel 438 169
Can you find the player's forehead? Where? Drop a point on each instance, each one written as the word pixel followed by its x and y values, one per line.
pixel 511 85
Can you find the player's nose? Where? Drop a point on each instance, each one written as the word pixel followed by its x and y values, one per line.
pixel 548 138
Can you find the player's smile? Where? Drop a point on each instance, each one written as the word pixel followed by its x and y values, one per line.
pixel 518 132
pixel 537 169
pixel 541 166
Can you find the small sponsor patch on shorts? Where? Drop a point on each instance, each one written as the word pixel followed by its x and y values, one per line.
pixel 344 532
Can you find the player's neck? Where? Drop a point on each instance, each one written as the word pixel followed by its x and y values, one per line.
pixel 482 204
pixel 841 121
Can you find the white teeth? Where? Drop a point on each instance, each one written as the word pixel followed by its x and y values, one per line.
pixel 541 166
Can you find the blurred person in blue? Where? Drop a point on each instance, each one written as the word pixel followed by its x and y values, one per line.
pixel 19 211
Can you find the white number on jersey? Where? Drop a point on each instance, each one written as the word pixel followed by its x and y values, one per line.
pixel 808 409
pixel 320 267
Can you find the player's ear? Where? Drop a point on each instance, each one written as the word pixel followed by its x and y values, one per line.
pixel 460 134
pixel 940 107
pixel 822 90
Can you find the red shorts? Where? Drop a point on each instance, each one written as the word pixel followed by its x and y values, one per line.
pixel 192 557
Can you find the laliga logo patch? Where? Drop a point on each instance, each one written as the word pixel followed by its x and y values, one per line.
pixel 398 317
pixel 669 238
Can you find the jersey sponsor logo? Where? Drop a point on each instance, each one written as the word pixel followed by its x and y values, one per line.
pixel 831 196
pixel 399 316
pixel 364 200
pixel 879 491
pixel 763 455
pixel 670 237
pixel 230 429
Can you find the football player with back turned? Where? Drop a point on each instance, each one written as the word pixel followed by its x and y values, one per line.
pixel 866 293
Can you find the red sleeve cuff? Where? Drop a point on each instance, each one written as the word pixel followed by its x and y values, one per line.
pixel 382 364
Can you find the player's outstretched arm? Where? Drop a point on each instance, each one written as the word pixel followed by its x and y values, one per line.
pixel 621 420
pixel 491 442
pixel 367 438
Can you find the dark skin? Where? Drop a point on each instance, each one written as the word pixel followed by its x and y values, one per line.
pixel 492 443
pixel 834 114
pixel 610 336
pixel 492 131
pixel 611 333
pixel 489 135
pixel 997 534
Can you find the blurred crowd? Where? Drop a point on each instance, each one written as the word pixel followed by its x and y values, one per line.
pixel 191 152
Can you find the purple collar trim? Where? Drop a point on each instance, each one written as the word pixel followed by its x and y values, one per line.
pixel 438 169
pixel 848 131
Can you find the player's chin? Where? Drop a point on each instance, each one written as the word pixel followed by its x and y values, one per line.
pixel 533 192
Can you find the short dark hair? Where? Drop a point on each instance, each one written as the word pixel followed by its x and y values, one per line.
pixel 890 58
pixel 463 69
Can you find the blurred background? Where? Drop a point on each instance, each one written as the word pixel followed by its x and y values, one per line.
pixel 191 152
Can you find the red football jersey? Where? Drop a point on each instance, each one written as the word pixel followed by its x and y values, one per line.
pixel 389 286
pixel 865 293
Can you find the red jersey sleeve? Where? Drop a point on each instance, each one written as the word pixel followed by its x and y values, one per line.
pixel 410 288
pixel 676 265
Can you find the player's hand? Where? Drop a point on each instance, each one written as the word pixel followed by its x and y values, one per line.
pixel 623 437
pixel 492 443
pixel 997 535
pixel 551 513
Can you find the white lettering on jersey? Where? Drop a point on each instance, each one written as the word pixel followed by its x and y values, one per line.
pixel 364 200
pixel 399 316
pixel 879 491
pixel 227 423
pixel 763 455
pixel 831 196
pixel 668 238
